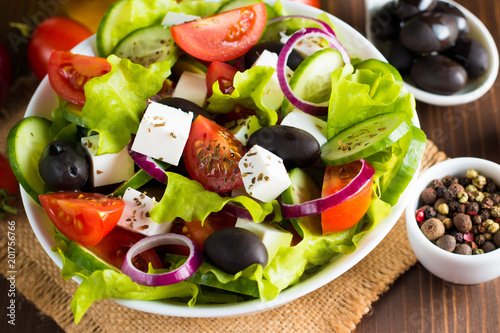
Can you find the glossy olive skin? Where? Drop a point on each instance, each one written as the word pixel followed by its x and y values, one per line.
pixel 296 147
pixel 64 166
pixel 400 57
pixel 462 23
pixel 409 8
pixel 186 106
pixel 470 54
pixel 234 249
pixel 438 74
pixel 385 23
pixel 429 32
pixel 294 59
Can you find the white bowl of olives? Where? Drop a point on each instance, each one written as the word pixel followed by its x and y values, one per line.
pixel 479 264
pixel 445 53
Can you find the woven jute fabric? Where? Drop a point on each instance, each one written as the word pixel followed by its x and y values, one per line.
pixel 336 307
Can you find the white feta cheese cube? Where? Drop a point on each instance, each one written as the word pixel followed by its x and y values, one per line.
pixel 243 128
pixel 272 235
pixel 136 214
pixel 107 169
pixel 163 133
pixel 273 95
pixel 306 46
pixel 193 87
pixel 264 175
pixel 309 123
pixel 173 18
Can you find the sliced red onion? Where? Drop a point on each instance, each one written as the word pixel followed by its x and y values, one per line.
pixel 148 164
pixel 318 206
pixel 324 25
pixel 308 107
pixel 192 263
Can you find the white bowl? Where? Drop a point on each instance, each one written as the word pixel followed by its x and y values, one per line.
pixel 452 267
pixel 476 87
pixel 44 100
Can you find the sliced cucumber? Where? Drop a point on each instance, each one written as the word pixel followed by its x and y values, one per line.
pixel 304 188
pixel 148 45
pixel 312 80
pixel 140 178
pixel 233 4
pixel 73 113
pixel 365 138
pixel 86 259
pixel 25 144
pixel 189 64
pixel 406 168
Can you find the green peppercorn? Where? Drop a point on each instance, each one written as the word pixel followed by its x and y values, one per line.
pixel 447 243
pixel 471 173
pixel 495 212
pixel 479 181
pixel 448 223
pixel 432 229
pixel 463 249
pixel 471 188
pixel 462 197
pixel 443 209
pixel 439 202
pixel 478 251
pixel 493 228
pixel 479 196
pixel 489 222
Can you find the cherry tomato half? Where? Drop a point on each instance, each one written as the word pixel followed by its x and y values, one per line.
pixel 223 36
pixel 115 245
pixel 222 72
pixel 313 3
pixel 68 74
pixel 82 217
pixel 346 214
pixel 55 33
pixel 212 154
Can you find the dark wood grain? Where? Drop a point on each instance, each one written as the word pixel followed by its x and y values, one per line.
pixel 417 301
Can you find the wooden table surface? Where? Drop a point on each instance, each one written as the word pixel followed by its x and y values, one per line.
pixel 418 301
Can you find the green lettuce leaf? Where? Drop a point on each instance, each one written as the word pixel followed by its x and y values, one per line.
pixel 117 100
pixel 188 200
pixel 248 92
pixel 365 93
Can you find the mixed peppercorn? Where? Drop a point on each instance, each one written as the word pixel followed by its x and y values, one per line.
pixel 461 214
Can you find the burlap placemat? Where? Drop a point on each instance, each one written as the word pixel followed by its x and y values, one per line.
pixel 336 307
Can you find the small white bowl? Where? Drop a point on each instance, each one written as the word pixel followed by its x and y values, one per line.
pixel 476 87
pixel 452 267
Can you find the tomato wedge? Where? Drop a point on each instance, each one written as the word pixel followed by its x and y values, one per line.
pixel 115 245
pixel 222 72
pixel 82 217
pixel 346 214
pixel 211 156
pixel 68 74
pixel 222 36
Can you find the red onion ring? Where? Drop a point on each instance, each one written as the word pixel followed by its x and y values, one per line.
pixel 323 24
pixel 149 165
pixel 192 263
pixel 308 107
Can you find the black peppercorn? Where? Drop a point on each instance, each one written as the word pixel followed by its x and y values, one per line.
pixel 459 237
pixel 441 191
pixel 496 239
pixel 464 249
pixel 462 222
pixel 487 203
pixel 447 243
pixel 476 219
pixel 488 247
pixel 485 214
pixel 479 240
pixel 432 229
pixel 453 206
pixel 461 209
pixel 454 189
pixel 474 230
pixel 429 212
pixel 429 196
pixel 482 227
pixel 435 183
pixel 472 208
pixel 448 180
pixel 464 181
pixel 496 198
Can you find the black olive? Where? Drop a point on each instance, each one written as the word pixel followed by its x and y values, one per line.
pixel 233 249
pixel 438 74
pixel 186 106
pixel 447 8
pixel 64 166
pixel 470 54
pixel 429 32
pixel 385 23
pixel 295 146
pixel 294 59
pixel 409 8
pixel 400 57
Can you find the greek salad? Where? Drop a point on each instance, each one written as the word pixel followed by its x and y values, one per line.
pixel 213 152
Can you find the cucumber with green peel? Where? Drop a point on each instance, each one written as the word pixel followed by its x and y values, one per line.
pixel 148 45
pixel 233 4
pixel 140 178
pixel 312 81
pixel 304 188
pixel 407 168
pixel 25 144
pixel 366 138
pixel 187 63
pixel 73 113
pixel 86 259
